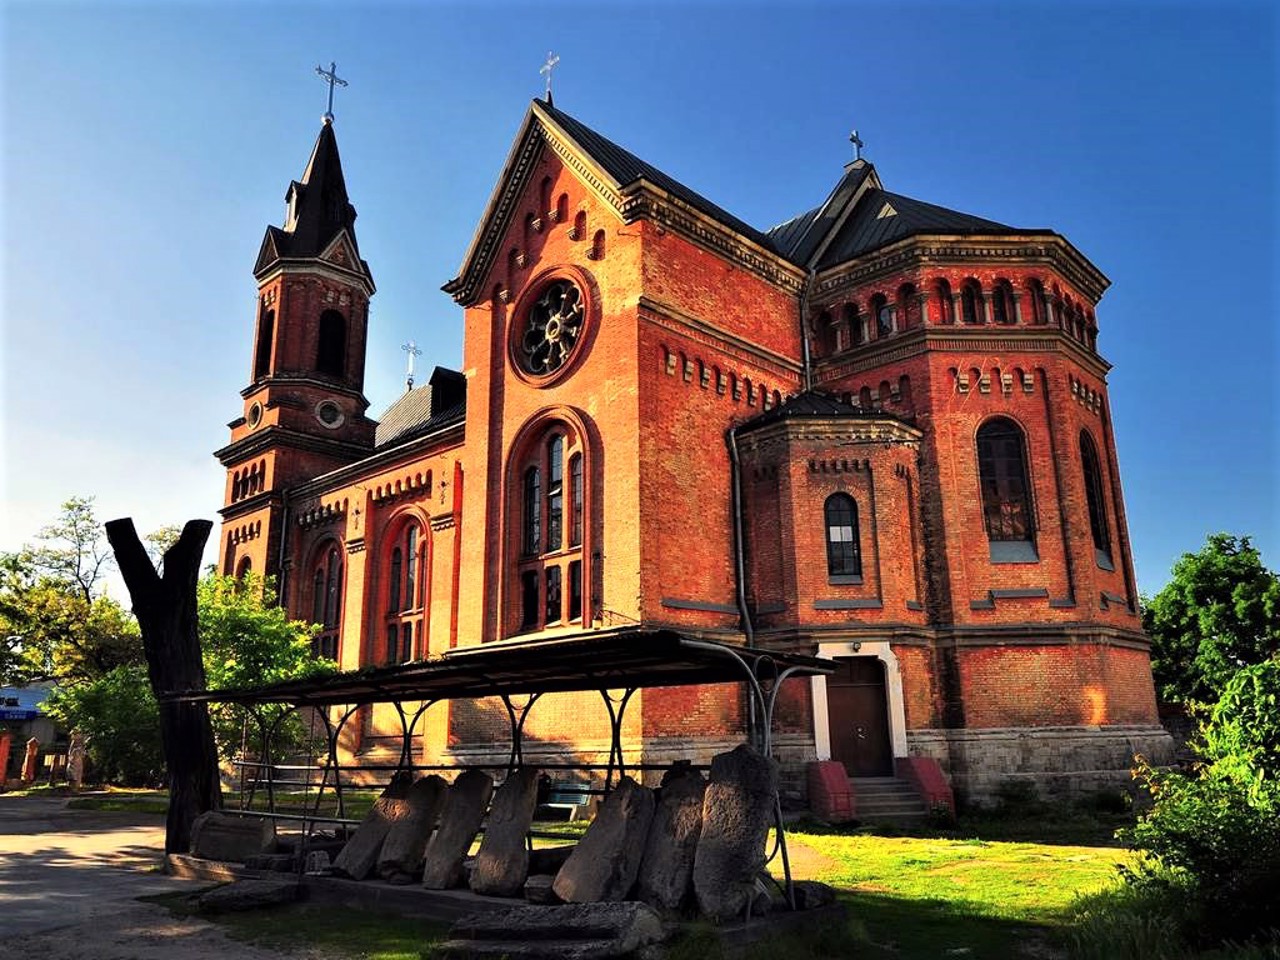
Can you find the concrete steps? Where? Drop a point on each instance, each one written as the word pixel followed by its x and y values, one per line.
pixel 887 800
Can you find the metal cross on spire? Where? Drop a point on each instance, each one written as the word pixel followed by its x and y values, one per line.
pixel 546 68
pixel 412 350
pixel 857 145
pixel 330 77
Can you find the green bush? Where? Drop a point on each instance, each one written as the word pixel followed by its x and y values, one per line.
pixel 1212 838
pixel 119 717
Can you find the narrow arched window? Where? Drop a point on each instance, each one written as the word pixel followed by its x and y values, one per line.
pixel 397 568
pixel 884 316
pixel 266 339
pixel 853 320
pixel 326 603
pixel 1096 500
pixel 333 591
pixel 532 538
pixel 411 569
pixel 562 208
pixel 575 500
pixel 907 306
pixel 1039 311
pixel 580 225
pixel 597 246
pixel 1006 500
pixel 317 596
pixel 844 556
pixel 331 352
pixel 971 302
pixel 1002 307
pixel 406 594
pixel 555 493
pixel 946 305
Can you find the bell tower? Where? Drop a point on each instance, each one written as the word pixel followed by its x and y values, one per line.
pixel 304 407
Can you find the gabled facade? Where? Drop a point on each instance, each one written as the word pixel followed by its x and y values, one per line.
pixel 878 432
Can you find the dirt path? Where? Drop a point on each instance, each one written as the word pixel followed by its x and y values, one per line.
pixel 69 883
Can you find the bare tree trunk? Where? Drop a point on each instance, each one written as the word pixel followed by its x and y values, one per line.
pixel 166 610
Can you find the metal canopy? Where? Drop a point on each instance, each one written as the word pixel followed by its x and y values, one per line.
pixel 628 658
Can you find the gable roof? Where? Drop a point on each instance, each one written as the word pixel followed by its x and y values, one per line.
pixel 858 216
pixel 626 168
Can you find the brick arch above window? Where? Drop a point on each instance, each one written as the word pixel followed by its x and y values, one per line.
pixel 551 495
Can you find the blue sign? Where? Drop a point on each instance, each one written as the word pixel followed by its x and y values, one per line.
pixel 15 714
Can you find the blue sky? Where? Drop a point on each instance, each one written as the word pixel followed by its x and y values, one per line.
pixel 147 146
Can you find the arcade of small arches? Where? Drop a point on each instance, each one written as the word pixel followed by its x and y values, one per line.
pixel 248 481
pixel 946 301
pixel 539 220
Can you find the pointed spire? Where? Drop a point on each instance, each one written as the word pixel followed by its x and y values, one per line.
pixel 318 205
pixel 317 208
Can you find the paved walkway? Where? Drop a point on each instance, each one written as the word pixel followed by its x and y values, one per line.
pixel 69 883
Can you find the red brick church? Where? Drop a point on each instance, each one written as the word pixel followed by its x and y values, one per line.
pixel 877 433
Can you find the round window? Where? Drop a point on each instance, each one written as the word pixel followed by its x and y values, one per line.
pixel 329 414
pixel 255 415
pixel 550 330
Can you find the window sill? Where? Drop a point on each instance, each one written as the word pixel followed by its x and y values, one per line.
pixel 1013 551
pixel 1104 560
pixel 844 579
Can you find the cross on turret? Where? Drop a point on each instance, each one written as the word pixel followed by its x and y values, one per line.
pixel 412 350
pixel 330 77
pixel 857 145
pixel 546 69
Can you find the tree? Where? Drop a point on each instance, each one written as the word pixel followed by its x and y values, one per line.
pixel 56 622
pixel 248 640
pixel 1218 613
pixel 165 606
pixel 120 719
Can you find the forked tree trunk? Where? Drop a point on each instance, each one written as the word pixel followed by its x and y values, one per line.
pixel 166 610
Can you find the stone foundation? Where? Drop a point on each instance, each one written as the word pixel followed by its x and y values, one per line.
pixel 1059 762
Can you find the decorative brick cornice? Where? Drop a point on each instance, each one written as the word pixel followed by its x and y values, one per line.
pixel 671 318
pixel 921 251
pixel 446 521
pixel 828 430
pixel 640 200
pixel 271 437
pixel 647 202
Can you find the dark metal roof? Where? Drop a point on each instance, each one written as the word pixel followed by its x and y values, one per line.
pixel 883 218
pixel 603 660
pixel 805 233
pixel 411 416
pixel 626 168
pixel 813 405
pixel 321 207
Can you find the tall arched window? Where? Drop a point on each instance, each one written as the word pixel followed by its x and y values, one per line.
pixel 1006 494
pixel 854 322
pixel 883 314
pixel 971 302
pixel 1039 310
pixel 326 603
pixel 1096 501
pixel 907 310
pixel 406 596
pixel 266 338
pixel 331 350
pixel 549 572
pixel 1002 306
pixel 946 306
pixel 844 552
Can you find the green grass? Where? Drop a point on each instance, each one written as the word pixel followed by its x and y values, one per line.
pixel 920 897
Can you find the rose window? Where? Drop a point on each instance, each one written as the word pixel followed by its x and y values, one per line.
pixel 553 329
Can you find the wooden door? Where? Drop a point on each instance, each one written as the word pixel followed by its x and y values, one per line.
pixel 858 717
